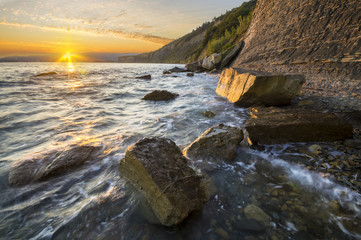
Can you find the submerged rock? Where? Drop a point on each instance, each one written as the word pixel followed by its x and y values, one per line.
pixel 190 74
pixel 160 95
pixel 208 114
pixel 148 77
pixel 257 89
pixel 166 72
pixel 43 165
pixel 219 142
pixel 46 74
pixel 255 213
pixel 157 168
pixel 274 126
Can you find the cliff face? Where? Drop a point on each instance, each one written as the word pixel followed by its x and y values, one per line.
pixel 313 37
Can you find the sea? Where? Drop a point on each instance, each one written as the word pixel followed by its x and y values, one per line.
pixel 100 103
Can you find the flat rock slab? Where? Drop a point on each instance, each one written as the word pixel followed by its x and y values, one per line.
pixel 274 126
pixel 160 95
pixel 247 89
pixel 219 142
pixel 157 168
pixel 41 166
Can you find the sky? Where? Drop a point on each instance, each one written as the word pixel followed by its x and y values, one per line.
pixel 112 26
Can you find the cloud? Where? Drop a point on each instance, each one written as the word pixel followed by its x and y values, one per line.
pixel 93 31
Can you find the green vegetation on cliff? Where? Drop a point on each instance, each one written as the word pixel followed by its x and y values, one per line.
pixel 216 36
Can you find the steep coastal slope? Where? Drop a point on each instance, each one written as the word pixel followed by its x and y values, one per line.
pixel 219 35
pixel 313 37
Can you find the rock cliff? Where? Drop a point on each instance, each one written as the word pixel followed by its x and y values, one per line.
pixel 313 37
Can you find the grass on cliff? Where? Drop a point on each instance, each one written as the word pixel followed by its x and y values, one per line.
pixel 233 25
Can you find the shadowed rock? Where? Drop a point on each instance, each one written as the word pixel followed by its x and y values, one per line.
pixel 160 95
pixel 190 74
pixel 46 74
pixel 274 126
pixel 157 168
pixel 219 142
pixel 232 55
pixel 255 89
pixel 195 66
pixel 56 162
pixel 177 70
pixel 148 77
pixel 166 72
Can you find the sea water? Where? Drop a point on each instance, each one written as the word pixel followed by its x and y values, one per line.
pixel 101 103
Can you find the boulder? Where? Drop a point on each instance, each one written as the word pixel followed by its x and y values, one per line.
pixel 254 89
pixel 232 55
pixel 148 77
pixel 160 95
pixel 195 67
pixel 166 72
pixel 46 74
pixel 219 142
pixel 275 126
pixel 157 168
pixel 190 74
pixel 40 166
pixel 212 61
pixel 177 70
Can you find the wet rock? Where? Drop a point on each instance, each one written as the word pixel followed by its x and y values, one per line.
pixel 147 77
pixel 190 74
pixel 305 103
pixel 208 114
pixel 212 61
pixel 219 142
pixel 222 233
pixel 160 95
pixel 274 126
pixel 56 162
pixel 316 149
pixel 195 67
pixel 255 213
pixel 46 74
pixel 177 70
pixel 166 72
pixel 157 168
pixel 250 225
pixel 231 55
pixel 257 89
pixel 353 143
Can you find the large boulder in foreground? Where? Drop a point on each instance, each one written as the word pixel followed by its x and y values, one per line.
pixel 258 89
pixel 274 126
pixel 160 95
pixel 157 168
pixel 41 166
pixel 219 142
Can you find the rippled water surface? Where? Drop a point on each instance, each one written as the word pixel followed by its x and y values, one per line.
pixel 101 104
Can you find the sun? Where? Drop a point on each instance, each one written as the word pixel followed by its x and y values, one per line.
pixel 67 57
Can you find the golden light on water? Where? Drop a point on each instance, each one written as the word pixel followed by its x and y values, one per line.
pixel 69 58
